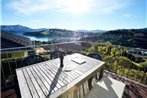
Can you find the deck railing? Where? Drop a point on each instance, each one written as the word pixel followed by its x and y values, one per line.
pixel 11 58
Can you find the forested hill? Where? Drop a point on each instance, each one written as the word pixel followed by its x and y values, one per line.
pixel 50 32
pixel 61 32
pixel 125 37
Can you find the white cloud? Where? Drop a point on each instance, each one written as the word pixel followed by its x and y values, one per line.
pixel 127 15
pixel 28 7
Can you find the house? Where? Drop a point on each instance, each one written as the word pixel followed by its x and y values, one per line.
pixel 16 42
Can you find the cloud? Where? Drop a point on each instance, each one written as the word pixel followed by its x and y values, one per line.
pixel 127 15
pixel 29 7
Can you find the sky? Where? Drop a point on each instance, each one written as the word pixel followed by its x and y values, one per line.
pixel 75 14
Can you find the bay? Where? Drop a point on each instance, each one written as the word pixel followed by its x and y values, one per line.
pixel 54 38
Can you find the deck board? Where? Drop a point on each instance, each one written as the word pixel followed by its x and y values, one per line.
pixel 52 74
pixel 54 68
pixel 35 83
pixel 42 78
pixel 70 77
pixel 25 90
pixel 49 76
pixel 41 84
pixel 61 77
pixel 31 85
pixel 48 79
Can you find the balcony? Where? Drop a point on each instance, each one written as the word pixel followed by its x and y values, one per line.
pixel 11 59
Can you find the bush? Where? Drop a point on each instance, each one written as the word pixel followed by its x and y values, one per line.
pixel 145 79
pixel 144 66
pixel 122 63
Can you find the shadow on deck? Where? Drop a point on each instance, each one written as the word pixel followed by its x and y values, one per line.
pixel 133 89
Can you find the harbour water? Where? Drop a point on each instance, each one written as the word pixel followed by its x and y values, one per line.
pixel 51 38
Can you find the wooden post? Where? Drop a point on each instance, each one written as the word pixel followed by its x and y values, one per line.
pixel 101 73
pixel 90 83
pixel 61 60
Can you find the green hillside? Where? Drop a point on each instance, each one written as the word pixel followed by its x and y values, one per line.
pixel 125 37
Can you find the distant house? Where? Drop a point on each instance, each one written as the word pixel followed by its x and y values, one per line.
pixel 9 41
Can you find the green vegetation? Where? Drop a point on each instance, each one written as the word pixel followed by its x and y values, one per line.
pixel 50 33
pixel 144 66
pixel 124 37
pixel 116 62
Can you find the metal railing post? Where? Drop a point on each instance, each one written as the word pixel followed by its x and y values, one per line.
pixel 15 59
pixel 10 68
pixel 3 73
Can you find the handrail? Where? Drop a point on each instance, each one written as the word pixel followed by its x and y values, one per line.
pixel 92 43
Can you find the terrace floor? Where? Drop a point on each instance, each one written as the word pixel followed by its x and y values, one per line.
pixel 107 87
pixel 133 89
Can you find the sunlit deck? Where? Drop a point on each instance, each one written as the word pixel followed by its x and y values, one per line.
pixel 107 88
pixel 47 79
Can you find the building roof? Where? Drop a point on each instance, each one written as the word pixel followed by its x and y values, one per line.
pixel 11 40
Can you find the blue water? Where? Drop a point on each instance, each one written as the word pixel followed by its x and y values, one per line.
pixel 51 38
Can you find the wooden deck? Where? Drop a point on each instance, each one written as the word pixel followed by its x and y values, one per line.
pixel 133 88
pixel 107 88
pixel 47 79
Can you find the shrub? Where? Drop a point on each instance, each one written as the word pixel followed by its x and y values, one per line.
pixel 144 66
pixel 123 61
pixel 145 79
